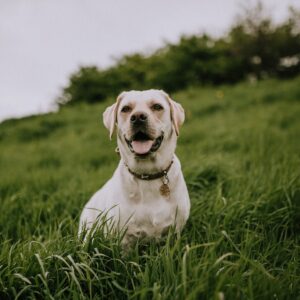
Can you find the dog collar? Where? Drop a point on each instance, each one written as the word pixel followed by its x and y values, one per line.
pixel 161 174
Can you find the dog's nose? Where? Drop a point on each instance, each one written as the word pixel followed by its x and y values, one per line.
pixel 138 118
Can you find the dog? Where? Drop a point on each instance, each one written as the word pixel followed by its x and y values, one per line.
pixel 147 192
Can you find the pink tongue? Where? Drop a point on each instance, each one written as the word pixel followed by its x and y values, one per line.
pixel 142 147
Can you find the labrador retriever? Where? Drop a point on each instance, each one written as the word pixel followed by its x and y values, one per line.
pixel 147 193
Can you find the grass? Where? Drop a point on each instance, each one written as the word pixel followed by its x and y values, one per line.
pixel 240 152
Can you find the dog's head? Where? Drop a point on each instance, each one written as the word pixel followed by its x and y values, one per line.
pixel 147 124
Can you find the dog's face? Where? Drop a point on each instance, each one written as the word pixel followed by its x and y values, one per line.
pixel 143 122
pixel 147 124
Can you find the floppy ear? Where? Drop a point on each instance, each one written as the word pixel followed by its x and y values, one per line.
pixel 177 113
pixel 110 116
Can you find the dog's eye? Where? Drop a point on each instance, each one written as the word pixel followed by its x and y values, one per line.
pixel 126 109
pixel 157 107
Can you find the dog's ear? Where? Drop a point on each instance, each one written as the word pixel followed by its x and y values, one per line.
pixel 177 113
pixel 110 115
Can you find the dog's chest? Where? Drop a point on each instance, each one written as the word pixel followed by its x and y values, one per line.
pixel 145 211
pixel 151 218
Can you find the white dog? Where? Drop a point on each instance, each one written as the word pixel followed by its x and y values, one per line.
pixel 147 193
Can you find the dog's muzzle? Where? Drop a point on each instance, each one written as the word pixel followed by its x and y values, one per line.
pixel 141 144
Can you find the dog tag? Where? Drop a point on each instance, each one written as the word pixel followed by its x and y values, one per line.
pixel 164 190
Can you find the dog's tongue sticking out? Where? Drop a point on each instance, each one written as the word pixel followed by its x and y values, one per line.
pixel 142 147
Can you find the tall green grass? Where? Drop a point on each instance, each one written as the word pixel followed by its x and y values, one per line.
pixel 240 152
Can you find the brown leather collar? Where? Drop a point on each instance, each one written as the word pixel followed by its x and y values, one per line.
pixel 151 176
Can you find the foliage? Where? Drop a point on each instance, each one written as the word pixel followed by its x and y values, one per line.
pixel 266 49
pixel 254 48
pixel 239 150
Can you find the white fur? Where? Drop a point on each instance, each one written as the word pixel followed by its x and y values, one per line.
pixel 131 202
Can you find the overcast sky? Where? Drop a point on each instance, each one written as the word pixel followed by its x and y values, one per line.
pixel 43 41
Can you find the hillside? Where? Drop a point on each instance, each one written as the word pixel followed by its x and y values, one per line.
pixel 240 152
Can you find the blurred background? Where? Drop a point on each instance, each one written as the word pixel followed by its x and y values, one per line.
pixel 78 51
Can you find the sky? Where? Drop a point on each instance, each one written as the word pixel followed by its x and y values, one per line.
pixel 43 41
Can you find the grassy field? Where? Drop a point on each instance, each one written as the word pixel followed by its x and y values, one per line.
pixel 240 152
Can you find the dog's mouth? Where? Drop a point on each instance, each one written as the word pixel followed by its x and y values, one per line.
pixel 142 144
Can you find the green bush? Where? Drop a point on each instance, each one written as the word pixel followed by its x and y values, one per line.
pixel 254 47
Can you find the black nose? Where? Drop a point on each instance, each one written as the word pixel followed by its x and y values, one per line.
pixel 138 118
